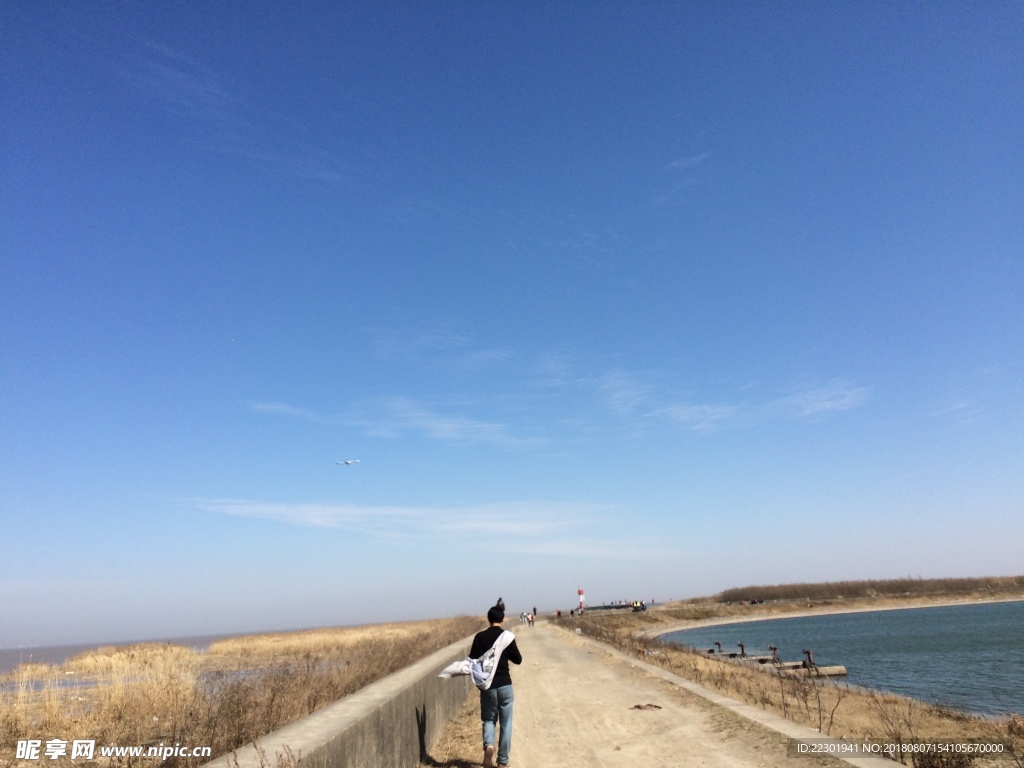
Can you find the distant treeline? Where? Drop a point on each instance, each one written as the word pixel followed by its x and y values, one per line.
pixel 835 590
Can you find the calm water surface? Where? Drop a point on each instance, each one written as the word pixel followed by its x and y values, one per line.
pixel 58 654
pixel 970 657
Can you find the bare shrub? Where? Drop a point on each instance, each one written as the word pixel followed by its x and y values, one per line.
pixel 942 760
pixel 898 718
pixel 1013 739
pixel 841 692
pixel 759 691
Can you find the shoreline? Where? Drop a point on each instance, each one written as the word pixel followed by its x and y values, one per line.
pixel 986 714
pixel 680 626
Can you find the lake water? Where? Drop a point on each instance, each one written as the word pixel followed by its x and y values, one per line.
pixel 970 657
pixel 58 654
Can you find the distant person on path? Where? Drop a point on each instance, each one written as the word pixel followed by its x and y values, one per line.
pixel 496 701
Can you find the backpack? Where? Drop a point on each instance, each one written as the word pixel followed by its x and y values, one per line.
pixel 482 670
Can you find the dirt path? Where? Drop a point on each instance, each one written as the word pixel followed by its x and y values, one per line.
pixel 576 705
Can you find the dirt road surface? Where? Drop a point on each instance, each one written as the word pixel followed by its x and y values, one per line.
pixel 579 704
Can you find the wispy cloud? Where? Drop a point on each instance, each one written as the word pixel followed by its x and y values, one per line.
pixel 530 527
pixel 682 180
pixel 369 519
pixel 394 416
pixel 283 409
pixel 684 163
pixel 837 395
pixel 623 393
pixel 675 192
pixel 616 399
pixel 397 416
pixel 640 401
pixel 699 417
pixel 962 412
pixel 554 372
pixel 963 406
pixel 614 548
pixel 223 119
pixel 395 344
pixel 438 347
pixel 591 247
pixel 806 403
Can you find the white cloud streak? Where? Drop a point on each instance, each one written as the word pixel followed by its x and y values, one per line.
pixel 439 347
pixel 223 119
pixel 398 416
pixel 837 395
pixel 283 409
pixel 636 401
pixel 700 417
pixel 623 393
pixel 549 528
pixel 401 415
pixel 808 403
pixel 684 163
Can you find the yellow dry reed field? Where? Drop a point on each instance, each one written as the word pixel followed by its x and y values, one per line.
pixel 114 660
pixel 833 709
pixel 161 693
pixel 28 668
pixel 326 640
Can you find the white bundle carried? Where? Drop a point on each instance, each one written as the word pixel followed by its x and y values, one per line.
pixel 481 670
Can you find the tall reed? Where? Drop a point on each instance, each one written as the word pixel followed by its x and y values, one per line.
pixel 236 692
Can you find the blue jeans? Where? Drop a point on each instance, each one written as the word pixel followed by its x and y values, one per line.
pixel 496 708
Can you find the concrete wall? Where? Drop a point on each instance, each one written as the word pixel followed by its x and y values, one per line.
pixel 388 724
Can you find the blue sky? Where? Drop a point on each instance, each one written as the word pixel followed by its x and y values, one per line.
pixel 649 299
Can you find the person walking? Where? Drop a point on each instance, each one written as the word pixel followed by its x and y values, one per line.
pixel 496 701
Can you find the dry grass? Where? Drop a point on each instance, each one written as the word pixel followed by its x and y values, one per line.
pixel 903 588
pixel 832 709
pixel 461 745
pixel 328 640
pixel 237 691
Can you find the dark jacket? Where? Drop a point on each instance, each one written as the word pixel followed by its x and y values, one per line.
pixel 483 642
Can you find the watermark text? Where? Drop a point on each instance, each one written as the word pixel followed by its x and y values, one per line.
pixel 86 749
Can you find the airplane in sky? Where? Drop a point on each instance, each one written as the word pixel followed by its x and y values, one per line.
pixel 349 462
